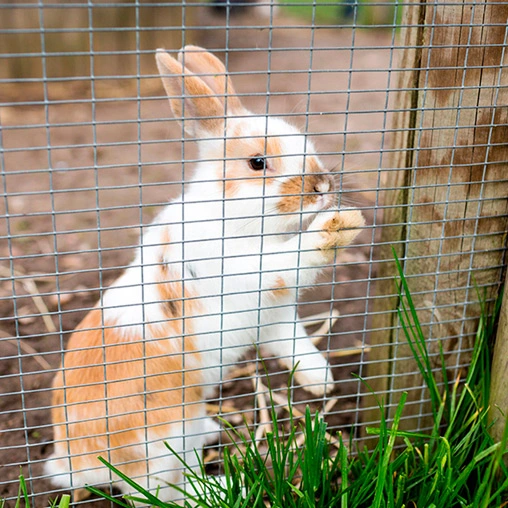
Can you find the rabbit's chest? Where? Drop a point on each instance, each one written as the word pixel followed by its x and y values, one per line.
pixel 236 281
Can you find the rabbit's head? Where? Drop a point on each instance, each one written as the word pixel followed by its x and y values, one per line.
pixel 262 167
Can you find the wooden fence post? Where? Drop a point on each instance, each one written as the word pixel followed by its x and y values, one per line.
pixel 499 384
pixel 446 192
pixel 118 32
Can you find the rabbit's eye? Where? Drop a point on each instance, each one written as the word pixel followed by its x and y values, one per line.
pixel 257 163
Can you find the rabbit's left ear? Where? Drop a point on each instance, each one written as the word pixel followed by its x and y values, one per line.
pixel 192 101
pixel 213 73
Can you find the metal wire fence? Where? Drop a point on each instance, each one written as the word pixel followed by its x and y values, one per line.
pixel 405 105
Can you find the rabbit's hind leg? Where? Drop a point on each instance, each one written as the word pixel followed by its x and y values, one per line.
pixel 58 469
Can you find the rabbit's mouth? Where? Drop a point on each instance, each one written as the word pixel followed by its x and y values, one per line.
pixel 326 195
pixel 326 201
pixel 321 202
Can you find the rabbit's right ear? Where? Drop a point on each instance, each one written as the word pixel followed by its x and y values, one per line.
pixel 214 74
pixel 191 99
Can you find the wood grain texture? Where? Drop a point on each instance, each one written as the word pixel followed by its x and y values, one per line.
pixel 447 191
pixel 63 35
pixel 499 385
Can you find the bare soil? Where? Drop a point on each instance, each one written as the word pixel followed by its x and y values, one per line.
pixel 57 253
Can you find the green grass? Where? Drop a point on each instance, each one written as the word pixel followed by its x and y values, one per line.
pixel 63 502
pixel 321 12
pixel 456 464
pixel 325 12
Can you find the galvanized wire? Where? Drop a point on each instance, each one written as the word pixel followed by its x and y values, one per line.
pixel 44 223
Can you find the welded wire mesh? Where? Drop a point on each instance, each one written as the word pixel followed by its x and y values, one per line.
pixel 91 154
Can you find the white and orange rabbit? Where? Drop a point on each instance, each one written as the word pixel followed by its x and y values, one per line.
pixel 215 273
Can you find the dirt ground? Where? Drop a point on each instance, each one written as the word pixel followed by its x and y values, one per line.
pixel 56 249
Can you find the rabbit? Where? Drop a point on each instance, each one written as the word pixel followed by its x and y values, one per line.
pixel 216 273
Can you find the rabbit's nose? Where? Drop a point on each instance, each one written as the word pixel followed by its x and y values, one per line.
pixel 322 186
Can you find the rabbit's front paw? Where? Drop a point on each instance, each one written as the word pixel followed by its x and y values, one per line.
pixel 317 381
pixel 341 229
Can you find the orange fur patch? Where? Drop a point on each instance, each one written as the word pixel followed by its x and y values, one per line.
pixel 137 384
pixel 203 62
pixel 301 190
pixel 164 246
pixel 239 149
pixel 273 148
pixel 240 145
pixel 229 183
pixel 205 107
pixel 231 187
pixel 280 289
pixel 200 100
pixel 176 299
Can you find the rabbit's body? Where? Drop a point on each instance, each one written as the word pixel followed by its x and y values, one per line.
pixel 217 272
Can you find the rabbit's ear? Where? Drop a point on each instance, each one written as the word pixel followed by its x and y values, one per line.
pixel 200 61
pixel 191 99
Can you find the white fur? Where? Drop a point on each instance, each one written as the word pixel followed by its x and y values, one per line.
pixel 227 244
